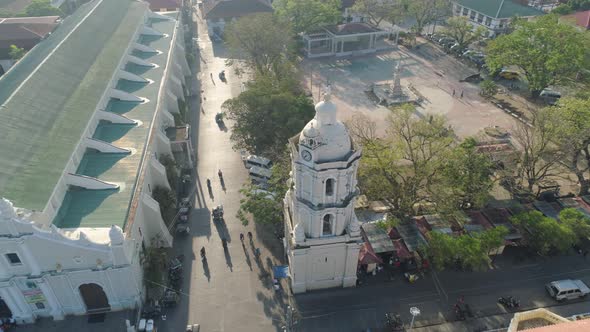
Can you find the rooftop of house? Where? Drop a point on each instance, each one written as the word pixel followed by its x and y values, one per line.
pixel 169 4
pixel 235 8
pixel 500 8
pixel 581 19
pixel 25 28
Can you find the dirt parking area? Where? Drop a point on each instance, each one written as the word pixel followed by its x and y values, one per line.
pixel 434 74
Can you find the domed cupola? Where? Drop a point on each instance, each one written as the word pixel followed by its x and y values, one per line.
pixel 325 138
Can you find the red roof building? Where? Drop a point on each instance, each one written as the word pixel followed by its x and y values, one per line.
pixel 581 19
pixel 24 32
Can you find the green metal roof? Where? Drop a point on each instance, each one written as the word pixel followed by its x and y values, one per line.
pixel 103 208
pixel 499 8
pixel 53 93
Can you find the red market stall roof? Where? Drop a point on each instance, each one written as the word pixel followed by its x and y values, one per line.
pixel 401 249
pixel 367 256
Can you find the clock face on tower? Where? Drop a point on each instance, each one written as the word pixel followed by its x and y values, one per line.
pixel 306 155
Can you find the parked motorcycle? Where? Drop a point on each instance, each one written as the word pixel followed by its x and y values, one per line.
pixel 509 302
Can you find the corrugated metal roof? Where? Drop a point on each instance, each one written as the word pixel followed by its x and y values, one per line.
pixel 500 8
pixel 43 118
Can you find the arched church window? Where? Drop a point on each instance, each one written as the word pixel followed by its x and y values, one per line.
pixel 329 187
pixel 327 225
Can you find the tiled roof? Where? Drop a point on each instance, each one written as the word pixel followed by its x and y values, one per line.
pixel 499 8
pixel 575 326
pixel 581 19
pixel 350 29
pixel 47 99
pixel 235 8
pixel 13 30
pixel 158 4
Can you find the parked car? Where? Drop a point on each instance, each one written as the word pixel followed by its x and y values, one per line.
pixel 567 289
pixel 470 52
pixel 446 41
pixel 253 160
pixel 259 174
pixel 193 328
pixel 550 96
pixel 508 74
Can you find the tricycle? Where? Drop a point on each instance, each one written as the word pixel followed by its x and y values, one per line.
pixel 218 213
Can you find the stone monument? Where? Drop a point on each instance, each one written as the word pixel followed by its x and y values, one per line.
pixel 393 93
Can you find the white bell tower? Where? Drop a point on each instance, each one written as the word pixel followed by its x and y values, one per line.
pixel 322 237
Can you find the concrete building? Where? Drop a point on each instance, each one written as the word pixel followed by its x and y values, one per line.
pixel 347 39
pixel 494 15
pixel 82 126
pixel 543 320
pixel 218 13
pixel 322 233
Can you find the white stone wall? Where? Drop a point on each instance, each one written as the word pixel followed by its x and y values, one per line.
pixel 323 266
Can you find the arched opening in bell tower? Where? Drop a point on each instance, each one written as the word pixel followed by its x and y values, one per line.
pixel 327 225
pixel 329 187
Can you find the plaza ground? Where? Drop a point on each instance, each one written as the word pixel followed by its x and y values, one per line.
pixel 434 74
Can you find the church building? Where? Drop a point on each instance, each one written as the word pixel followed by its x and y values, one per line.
pixel 322 237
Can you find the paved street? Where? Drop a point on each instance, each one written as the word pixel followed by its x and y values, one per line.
pixel 233 291
pixel 365 307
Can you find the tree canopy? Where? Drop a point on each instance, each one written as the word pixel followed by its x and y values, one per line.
pixel 544 234
pixel 470 251
pixel 266 206
pixel 539 157
pixel 459 28
pixel 42 8
pixel 16 52
pixel 425 12
pixel 546 51
pixel 465 179
pixel 403 165
pixel 261 40
pixel 577 221
pixel 377 11
pixel 267 114
pixel 308 15
pixel 571 116
pixel 417 161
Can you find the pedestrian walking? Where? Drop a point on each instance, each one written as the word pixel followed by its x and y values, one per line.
pixel 453 92
pixel 461 93
pixel 242 237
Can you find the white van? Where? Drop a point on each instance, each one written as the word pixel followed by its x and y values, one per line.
pixel 259 174
pixel 253 160
pixel 550 96
pixel 567 289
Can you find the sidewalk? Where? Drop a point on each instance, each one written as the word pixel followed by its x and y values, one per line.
pixel 501 322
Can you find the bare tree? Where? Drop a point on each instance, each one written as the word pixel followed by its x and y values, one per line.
pixel 539 158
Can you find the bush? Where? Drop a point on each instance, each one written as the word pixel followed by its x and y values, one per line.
pixel 171 170
pixel 488 88
pixel 167 200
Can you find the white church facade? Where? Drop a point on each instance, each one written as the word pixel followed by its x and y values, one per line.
pixel 322 237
